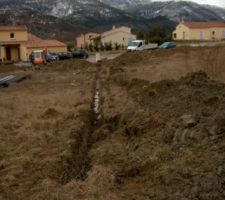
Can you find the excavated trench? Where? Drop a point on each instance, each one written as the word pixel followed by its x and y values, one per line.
pixel 77 165
pixel 96 99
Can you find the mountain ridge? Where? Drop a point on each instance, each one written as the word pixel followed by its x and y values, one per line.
pixel 61 19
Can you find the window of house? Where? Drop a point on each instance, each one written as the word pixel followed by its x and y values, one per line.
pixel 213 32
pixel 174 35
pixel 184 35
pixel 223 34
pixel 123 39
pixel 12 35
pixel 201 35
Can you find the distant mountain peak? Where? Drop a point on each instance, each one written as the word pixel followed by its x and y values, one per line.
pixel 123 4
pixel 67 18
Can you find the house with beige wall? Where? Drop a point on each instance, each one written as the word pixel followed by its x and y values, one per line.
pixel 16 44
pixel 12 38
pixel 211 31
pixel 85 39
pixel 120 35
pixel 36 43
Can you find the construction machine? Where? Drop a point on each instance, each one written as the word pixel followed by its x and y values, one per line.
pixel 38 57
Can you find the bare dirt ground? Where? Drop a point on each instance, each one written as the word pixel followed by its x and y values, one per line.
pixel 109 55
pixel 172 64
pixel 160 136
pixel 38 117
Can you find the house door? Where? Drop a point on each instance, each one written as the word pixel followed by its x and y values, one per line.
pixel 213 35
pixel 8 53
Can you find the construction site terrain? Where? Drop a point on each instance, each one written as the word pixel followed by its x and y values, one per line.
pixel 145 125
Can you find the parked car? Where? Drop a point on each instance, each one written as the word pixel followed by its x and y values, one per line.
pixel 65 55
pixel 140 45
pixel 80 53
pixel 168 45
pixel 52 57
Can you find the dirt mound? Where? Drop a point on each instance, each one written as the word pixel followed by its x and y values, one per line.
pixel 142 57
pixel 129 58
pixel 71 65
pixel 50 113
pixel 170 147
pixel 137 57
pixel 162 64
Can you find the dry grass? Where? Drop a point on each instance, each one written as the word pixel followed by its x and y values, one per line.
pixel 172 63
pixel 49 151
pixel 37 118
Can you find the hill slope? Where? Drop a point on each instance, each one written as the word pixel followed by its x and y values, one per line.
pixel 75 16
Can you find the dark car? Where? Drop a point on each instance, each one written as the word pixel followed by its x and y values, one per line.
pixel 65 55
pixel 52 57
pixel 80 54
pixel 168 45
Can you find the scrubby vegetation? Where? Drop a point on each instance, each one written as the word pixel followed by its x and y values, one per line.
pixel 155 35
pixel 160 136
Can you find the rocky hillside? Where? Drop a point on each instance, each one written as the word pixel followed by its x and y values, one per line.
pixel 71 17
pixel 124 4
pixel 117 8
pixel 43 25
pixel 179 10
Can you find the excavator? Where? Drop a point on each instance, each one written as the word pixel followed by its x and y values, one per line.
pixel 38 57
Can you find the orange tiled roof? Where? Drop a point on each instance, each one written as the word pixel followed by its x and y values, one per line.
pixel 88 36
pixel 13 28
pixel 34 41
pixel 115 29
pixel 95 37
pixel 196 25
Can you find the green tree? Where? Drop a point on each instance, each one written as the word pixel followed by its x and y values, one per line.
pixel 108 46
pixel 90 47
pixel 141 35
pixel 102 47
pixel 157 31
pixel 70 47
pixel 157 35
pixel 86 46
pixel 96 47
pixel 117 46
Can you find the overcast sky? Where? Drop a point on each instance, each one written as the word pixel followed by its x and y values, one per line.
pixel 220 3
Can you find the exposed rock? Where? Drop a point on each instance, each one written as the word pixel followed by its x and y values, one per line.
pixel 189 121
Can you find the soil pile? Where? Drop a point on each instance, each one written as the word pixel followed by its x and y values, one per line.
pixel 163 64
pixel 166 142
pixel 72 64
